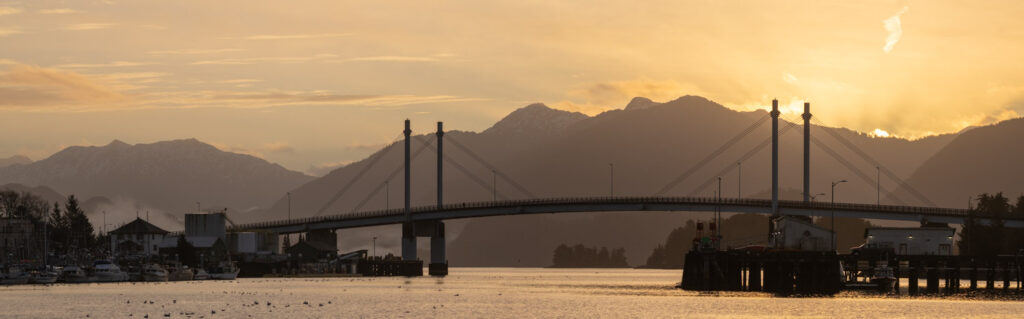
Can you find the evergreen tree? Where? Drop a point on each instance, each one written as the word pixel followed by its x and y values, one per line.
pixel 81 231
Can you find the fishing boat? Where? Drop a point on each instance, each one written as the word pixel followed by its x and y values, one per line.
pixel 14 275
pixel 201 274
pixel 884 278
pixel 179 272
pixel 225 270
pixel 74 274
pixel 153 272
pixel 43 275
pixel 106 271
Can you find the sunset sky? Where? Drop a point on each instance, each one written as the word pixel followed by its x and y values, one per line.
pixel 315 83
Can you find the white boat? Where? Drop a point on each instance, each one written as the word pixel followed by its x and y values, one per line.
pixel 226 270
pixel 44 275
pixel 884 278
pixel 73 274
pixel 106 271
pixel 201 274
pixel 179 272
pixel 153 272
pixel 14 275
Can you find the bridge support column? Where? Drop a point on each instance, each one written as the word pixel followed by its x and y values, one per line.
pixel 408 241
pixel 438 259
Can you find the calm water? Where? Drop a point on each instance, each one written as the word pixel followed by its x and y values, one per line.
pixel 468 292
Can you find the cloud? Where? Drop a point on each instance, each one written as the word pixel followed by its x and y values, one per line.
pixel 9 10
pixel 56 11
pixel 789 78
pixel 295 36
pixel 394 58
pixel 325 168
pixel 365 146
pixel 101 65
pixel 32 86
pixel 193 51
pixel 88 26
pixel 293 59
pixel 602 96
pixel 263 99
pixel 278 147
pixel 9 31
pixel 895 29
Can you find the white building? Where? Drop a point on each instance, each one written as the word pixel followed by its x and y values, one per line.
pixel 136 238
pixel 912 240
pixel 796 233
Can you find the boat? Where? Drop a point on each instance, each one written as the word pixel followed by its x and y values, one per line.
pixel 14 275
pixel 74 274
pixel 153 272
pixel 179 272
pixel 201 274
pixel 883 278
pixel 106 271
pixel 44 275
pixel 225 270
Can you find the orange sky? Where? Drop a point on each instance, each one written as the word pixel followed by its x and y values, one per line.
pixel 317 83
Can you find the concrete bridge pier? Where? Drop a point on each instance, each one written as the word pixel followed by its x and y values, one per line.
pixel 438 260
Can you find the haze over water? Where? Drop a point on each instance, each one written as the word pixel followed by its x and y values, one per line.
pixel 466 293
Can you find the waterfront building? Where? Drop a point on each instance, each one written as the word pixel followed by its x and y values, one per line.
pixel 138 237
pixel 927 240
pixel 799 233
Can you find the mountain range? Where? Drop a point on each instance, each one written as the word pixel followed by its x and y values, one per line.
pixel 639 150
pixel 171 177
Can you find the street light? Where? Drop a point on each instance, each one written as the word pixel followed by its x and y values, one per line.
pixel 289 205
pixel 834 212
pixel 739 180
pixel 718 208
pixel 494 184
pixel 374 246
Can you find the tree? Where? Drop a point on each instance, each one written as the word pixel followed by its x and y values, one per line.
pixel 989 239
pixel 81 230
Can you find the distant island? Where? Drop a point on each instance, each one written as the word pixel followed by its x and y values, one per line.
pixel 579 256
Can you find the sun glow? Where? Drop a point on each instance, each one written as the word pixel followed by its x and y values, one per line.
pixel 880 133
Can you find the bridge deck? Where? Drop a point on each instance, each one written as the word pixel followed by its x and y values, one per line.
pixel 614 204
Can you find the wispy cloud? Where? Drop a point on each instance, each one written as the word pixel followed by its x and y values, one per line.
pixel 295 36
pixel 264 99
pixel 56 11
pixel 101 65
pixel 895 29
pixel 395 58
pixel 24 86
pixel 88 26
pixel 325 168
pixel 193 51
pixel 8 31
pixel 243 61
pixel 9 10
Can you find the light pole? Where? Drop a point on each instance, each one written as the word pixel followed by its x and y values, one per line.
pixel 878 186
pixel 834 212
pixel 494 184
pixel 374 246
pixel 611 179
pixel 739 180
pixel 387 201
pixel 289 194
pixel 719 208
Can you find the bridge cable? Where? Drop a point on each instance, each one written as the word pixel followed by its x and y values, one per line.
pixel 426 145
pixel 902 183
pixel 483 184
pixel 853 168
pixel 373 161
pixel 497 172
pixel 728 144
pixel 747 155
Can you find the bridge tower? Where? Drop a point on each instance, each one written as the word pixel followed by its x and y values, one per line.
pixel 438 261
pixel 408 228
pixel 807 152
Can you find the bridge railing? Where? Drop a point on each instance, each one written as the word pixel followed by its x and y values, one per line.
pixel 747 202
